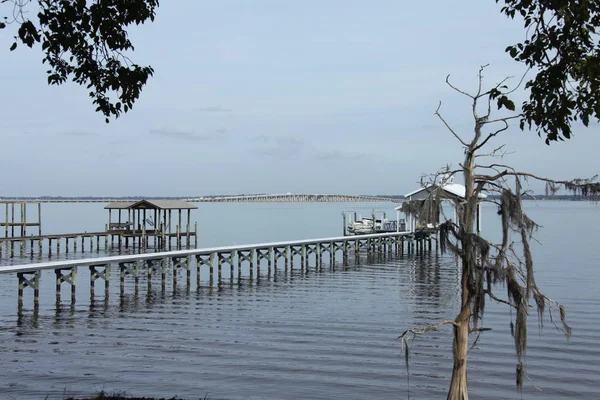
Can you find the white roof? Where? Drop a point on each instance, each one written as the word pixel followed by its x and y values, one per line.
pixel 452 188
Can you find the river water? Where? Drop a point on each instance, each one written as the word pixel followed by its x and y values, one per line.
pixel 321 334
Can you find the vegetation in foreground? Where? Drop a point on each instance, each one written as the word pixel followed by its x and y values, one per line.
pixel 122 396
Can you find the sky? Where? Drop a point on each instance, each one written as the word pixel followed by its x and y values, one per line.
pixel 273 96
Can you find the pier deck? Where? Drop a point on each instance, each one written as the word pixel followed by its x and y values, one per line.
pixel 252 256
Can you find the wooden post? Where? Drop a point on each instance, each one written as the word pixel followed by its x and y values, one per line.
pixel 239 262
pixel 332 254
pixel 188 229
pixel 345 253
pixel 40 219
pixel 212 267
pixel 196 234
pixel 134 226
pixel 22 219
pixel 6 222
pixel 12 221
pixel 170 231
pixel 219 268
pixel 180 219
pixel 144 243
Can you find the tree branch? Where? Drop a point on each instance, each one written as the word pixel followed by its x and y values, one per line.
pixel 499 300
pixel 410 333
pixel 437 112
pixel 457 89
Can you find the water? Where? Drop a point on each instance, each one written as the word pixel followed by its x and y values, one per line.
pixel 326 334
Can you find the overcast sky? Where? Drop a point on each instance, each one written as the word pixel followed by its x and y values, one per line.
pixel 273 96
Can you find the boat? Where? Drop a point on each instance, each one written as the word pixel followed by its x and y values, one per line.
pixel 364 226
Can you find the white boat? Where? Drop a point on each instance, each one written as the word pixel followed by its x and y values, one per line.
pixel 364 226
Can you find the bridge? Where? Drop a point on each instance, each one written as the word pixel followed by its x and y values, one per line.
pixel 251 198
pixel 295 198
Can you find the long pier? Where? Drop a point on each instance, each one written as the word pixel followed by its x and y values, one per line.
pixel 253 198
pixel 252 257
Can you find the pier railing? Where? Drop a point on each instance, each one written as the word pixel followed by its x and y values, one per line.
pixel 213 259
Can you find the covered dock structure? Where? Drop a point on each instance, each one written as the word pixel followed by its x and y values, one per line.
pixel 448 191
pixel 145 221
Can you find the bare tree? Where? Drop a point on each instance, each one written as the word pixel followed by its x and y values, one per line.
pixel 484 263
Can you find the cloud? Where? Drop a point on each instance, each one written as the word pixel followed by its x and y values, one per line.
pixel 215 109
pixel 286 147
pixel 188 135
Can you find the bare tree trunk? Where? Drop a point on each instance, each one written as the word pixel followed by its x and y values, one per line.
pixel 458 385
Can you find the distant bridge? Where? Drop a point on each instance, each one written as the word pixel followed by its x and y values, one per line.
pixel 252 198
pixel 295 198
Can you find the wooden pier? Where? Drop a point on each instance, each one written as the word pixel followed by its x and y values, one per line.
pixel 273 256
pixel 138 225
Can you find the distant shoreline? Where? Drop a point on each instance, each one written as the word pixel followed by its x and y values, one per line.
pixel 125 198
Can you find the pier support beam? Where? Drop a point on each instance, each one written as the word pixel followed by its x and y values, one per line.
pixel 246 255
pixel 69 277
pixel 263 254
pixel 202 260
pixel 101 271
pixel 295 251
pixel 156 265
pixel 224 258
pixel 32 280
pixel 181 262
pixel 311 249
pixel 128 268
pixel 279 252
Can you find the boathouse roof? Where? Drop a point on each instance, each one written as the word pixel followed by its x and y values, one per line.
pixel 450 189
pixel 151 204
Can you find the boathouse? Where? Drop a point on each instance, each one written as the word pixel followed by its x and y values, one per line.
pixel 150 218
pixel 448 192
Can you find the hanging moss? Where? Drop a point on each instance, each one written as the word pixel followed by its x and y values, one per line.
pixel 412 207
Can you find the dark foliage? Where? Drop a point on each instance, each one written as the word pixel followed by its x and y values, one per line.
pixel 120 396
pixel 86 41
pixel 563 49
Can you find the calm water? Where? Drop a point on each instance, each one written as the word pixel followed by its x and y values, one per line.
pixel 325 334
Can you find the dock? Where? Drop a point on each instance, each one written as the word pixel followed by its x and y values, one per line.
pixel 236 259
pixel 139 224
